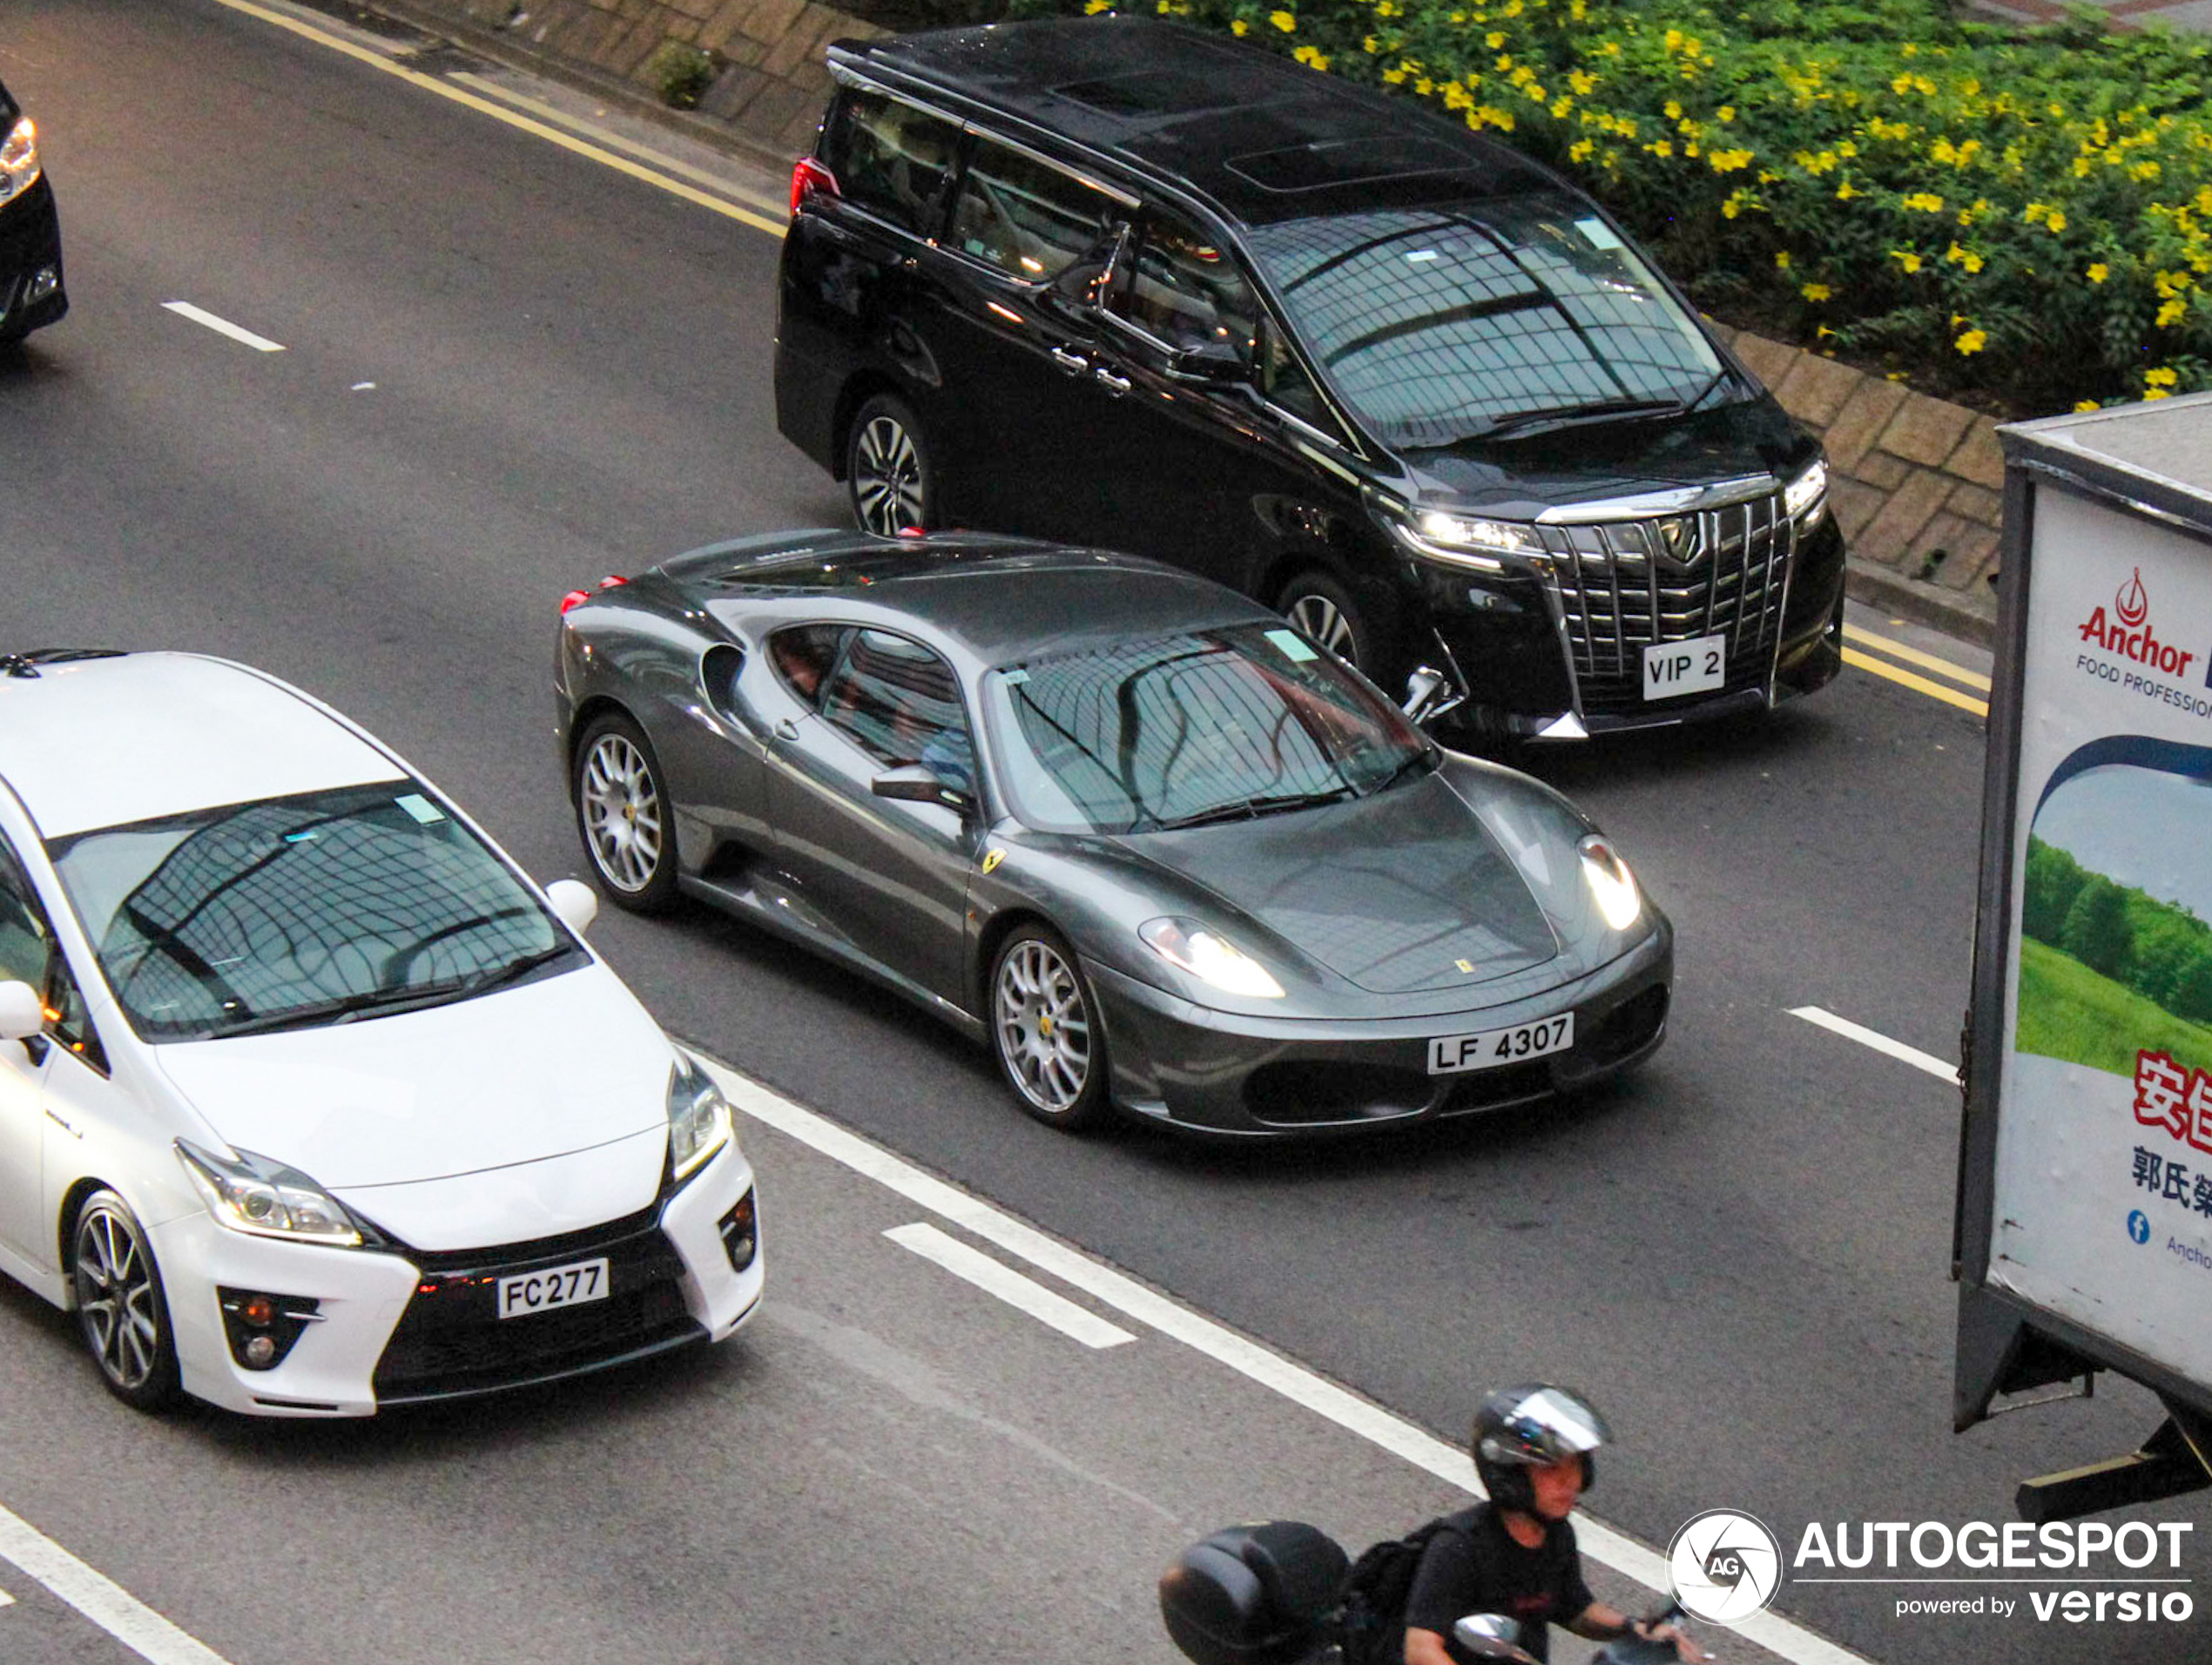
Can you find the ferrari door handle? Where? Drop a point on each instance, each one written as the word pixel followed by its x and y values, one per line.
pixel 787 730
pixel 1113 384
pixel 1073 363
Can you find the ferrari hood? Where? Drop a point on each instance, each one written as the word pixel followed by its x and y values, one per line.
pixel 564 1064
pixel 1402 892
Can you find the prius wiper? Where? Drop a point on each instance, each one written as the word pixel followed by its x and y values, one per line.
pixel 344 1009
pixel 1604 410
pixel 1244 809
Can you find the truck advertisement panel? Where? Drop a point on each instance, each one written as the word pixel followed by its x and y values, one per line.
pixel 2103 1165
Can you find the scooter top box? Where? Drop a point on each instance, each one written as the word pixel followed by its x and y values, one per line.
pixel 1257 1594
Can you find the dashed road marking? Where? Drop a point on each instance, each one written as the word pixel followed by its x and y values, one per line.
pixel 1878 1041
pixel 1606 1545
pixel 1015 1289
pixel 106 1603
pixel 223 327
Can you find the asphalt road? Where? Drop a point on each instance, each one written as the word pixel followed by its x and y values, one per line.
pixel 509 369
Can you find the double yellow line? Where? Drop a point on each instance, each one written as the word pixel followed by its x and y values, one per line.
pixel 1860 648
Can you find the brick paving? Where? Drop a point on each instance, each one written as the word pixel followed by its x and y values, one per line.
pixel 2177 14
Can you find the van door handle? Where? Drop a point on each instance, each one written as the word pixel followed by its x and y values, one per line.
pixel 1113 384
pixel 787 730
pixel 1073 363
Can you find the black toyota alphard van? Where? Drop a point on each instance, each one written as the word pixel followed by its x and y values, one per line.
pixel 1121 283
pixel 31 239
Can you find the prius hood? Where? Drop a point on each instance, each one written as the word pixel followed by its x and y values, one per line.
pixel 562 1065
pixel 1400 893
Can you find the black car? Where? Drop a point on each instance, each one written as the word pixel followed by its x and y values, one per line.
pixel 31 238
pixel 1117 281
pixel 1139 834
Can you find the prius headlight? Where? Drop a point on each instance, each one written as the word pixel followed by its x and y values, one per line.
pixel 1210 958
pixel 19 158
pixel 1612 887
pixel 251 1193
pixel 1804 498
pixel 699 1123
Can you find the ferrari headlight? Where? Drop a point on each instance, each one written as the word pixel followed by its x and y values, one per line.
pixel 1612 887
pixel 1804 498
pixel 253 1194
pixel 699 1123
pixel 1189 947
pixel 19 158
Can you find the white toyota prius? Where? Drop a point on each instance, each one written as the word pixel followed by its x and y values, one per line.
pixel 311 1102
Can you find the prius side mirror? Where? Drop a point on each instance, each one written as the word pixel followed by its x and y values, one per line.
pixel 23 1014
pixel 917 783
pixel 574 904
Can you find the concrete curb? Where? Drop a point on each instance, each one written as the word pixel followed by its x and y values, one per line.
pixel 1938 609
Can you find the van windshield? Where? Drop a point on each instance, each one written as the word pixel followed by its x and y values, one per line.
pixel 1455 321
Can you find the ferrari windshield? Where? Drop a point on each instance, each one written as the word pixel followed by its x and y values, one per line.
pixel 1446 323
pixel 297 911
pixel 1180 729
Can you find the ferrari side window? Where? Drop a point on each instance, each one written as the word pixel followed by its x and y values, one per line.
pixel 802 656
pixel 899 703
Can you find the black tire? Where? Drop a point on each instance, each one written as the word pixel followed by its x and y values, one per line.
pixel 623 814
pixel 889 474
pixel 1045 1031
pixel 121 1310
pixel 1325 610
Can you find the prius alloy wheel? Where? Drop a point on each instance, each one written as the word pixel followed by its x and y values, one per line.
pixel 119 1305
pixel 1043 1031
pixel 887 468
pixel 622 814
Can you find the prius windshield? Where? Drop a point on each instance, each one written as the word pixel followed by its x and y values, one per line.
pixel 1452 323
pixel 299 910
pixel 1189 728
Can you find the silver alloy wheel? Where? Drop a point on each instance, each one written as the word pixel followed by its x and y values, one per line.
pixel 1043 1026
pixel 1321 618
pixel 115 1298
pixel 621 812
pixel 886 476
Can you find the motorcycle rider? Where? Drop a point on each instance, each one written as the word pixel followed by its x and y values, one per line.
pixel 1515 1554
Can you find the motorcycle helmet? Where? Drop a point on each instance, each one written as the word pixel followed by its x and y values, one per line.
pixel 1532 1426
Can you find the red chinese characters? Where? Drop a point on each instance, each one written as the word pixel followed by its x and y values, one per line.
pixel 2176 1099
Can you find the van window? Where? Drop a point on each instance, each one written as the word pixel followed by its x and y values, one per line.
pixel 1184 288
pixel 890 158
pixel 1026 217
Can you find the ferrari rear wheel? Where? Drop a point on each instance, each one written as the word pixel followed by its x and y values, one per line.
pixel 622 814
pixel 1044 1030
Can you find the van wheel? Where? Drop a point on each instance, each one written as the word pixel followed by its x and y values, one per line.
pixel 1324 610
pixel 121 1311
pixel 887 468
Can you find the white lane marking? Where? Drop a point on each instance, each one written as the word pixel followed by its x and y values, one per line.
pixel 106 1603
pixel 1294 1382
pixel 6 1600
pixel 1878 1041
pixel 1015 1289
pixel 223 327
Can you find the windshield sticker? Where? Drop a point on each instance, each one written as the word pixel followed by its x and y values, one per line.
pixel 1292 647
pixel 1421 256
pixel 422 808
pixel 301 837
pixel 1016 678
pixel 1599 234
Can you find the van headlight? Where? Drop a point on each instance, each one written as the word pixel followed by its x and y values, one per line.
pixel 699 1123
pixel 1612 887
pixel 1806 497
pixel 1210 958
pixel 1460 541
pixel 19 158
pixel 252 1194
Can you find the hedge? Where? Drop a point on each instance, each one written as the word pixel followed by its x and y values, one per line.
pixel 2019 216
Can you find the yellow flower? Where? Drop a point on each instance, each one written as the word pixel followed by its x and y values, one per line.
pixel 1729 161
pixel 1846 190
pixel 1906 258
pixel 1583 81
pixel 1925 201
pixel 2099 271
pixel 1972 341
pixel 1960 256
pixel 1726 112
pixel 1093 7
pixel 1395 75
pixel 1581 150
pixel 1781 260
pixel 2156 393
pixel 1495 39
pixel 1816 292
pixel 1661 147
pixel 1370 45
pixel 1311 57
pixel 2162 377
pixel 2057 222
pixel 2172 313
pixel 1674 109
pixel 1287 22
pixel 2087 404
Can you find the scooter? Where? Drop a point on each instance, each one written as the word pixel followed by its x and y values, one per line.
pixel 1272 1594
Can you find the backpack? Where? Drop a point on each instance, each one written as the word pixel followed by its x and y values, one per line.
pixel 1372 1614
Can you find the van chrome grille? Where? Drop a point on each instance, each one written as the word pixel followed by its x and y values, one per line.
pixel 1623 586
